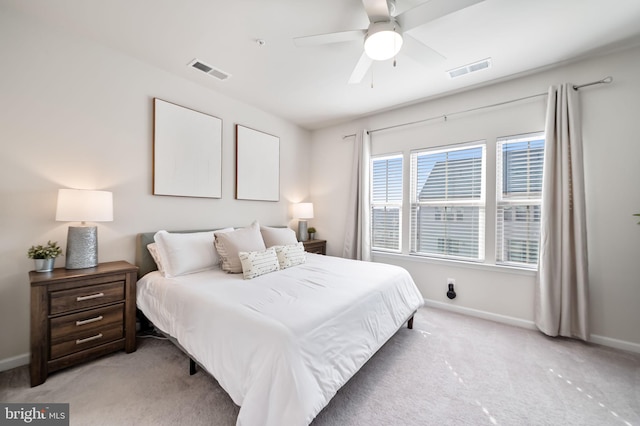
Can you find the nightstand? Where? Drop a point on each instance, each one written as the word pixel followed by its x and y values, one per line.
pixel 315 246
pixel 81 314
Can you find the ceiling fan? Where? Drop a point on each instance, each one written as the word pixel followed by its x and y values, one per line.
pixel 387 33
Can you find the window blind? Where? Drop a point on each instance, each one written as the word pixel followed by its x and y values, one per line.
pixel 519 164
pixel 448 202
pixel 386 203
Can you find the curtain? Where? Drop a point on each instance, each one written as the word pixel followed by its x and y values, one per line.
pixel 562 295
pixel 357 236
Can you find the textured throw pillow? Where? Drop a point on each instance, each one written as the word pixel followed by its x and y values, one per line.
pixel 278 236
pixel 256 263
pixel 186 253
pixel 229 244
pixel 153 250
pixel 290 255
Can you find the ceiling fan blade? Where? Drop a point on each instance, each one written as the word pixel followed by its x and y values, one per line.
pixel 377 10
pixel 339 37
pixel 430 11
pixel 420 52
pixel 363 65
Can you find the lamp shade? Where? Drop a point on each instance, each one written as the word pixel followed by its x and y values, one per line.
pixel 303 211
pixel 81 205
pixel 383 41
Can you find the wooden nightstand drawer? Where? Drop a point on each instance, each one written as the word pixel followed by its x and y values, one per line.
pixel 86 297
pixel 86 340
pixel 75 325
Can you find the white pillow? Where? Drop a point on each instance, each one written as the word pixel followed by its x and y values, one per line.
pixel 256 263
pixel 153 250
pixel 278 236
pixel 229 244
pixel 182 254
pixel 290 255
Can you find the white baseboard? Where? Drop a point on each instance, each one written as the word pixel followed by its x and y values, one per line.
pixel 13 362
pixel 615 343
pixel 518 322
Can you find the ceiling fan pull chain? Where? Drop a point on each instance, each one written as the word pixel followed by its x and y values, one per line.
pixel 372 76
pixel 395 48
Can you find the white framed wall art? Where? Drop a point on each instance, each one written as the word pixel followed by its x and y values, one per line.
pixel 257 165
pixel 187 152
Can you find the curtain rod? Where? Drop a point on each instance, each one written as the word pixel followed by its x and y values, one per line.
pixel 605 80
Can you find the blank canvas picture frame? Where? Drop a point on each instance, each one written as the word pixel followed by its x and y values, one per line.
pixel 187 152
pixel 257 165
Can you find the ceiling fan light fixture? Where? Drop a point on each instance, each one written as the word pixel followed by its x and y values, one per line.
pixel 383 41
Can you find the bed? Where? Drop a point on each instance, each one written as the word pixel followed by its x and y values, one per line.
pixel 283 343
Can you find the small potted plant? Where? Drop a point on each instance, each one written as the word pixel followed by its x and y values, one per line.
pixel 312 233
pixel 44 256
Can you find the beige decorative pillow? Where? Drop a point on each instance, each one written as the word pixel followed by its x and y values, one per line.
pixel 256 263
pixel 229 244
pixel 290 255
pixel 153 250
pixel 278 236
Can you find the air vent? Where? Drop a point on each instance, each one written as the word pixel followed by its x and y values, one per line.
pixel 208 69
pixel 469 68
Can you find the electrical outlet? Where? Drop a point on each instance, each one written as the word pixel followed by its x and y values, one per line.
pixel 451 280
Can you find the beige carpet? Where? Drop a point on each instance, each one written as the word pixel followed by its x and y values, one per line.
pixel 450 370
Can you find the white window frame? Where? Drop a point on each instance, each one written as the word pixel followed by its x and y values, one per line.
pixel 449 204
pixel 387 204
pixel 527 199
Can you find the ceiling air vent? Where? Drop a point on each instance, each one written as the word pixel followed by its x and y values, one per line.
pixel 208 69
pixel 469 68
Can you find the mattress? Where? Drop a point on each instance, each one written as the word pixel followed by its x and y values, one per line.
pixel 282 344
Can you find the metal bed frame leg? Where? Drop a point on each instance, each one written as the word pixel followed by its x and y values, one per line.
pixel 410 323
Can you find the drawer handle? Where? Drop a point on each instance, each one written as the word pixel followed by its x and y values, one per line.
pixel 89 297
pixel 90 320
pixel 88 339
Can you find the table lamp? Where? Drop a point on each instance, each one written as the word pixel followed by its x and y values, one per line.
pixel 303 211
pixel 79 205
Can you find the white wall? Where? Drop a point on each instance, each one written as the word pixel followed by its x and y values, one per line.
pixel 74 114
pixel 612 157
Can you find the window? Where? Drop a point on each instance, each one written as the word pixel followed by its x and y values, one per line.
pixel 519 180
pixel 386 203
pixel 448 202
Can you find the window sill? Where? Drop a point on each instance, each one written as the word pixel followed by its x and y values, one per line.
pixel 455 263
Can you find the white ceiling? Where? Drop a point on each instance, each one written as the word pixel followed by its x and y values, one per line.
pixel 308 86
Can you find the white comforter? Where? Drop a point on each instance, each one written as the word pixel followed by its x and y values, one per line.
pixel 282 344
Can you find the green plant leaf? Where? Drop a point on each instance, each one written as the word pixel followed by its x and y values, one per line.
pixel 49 251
